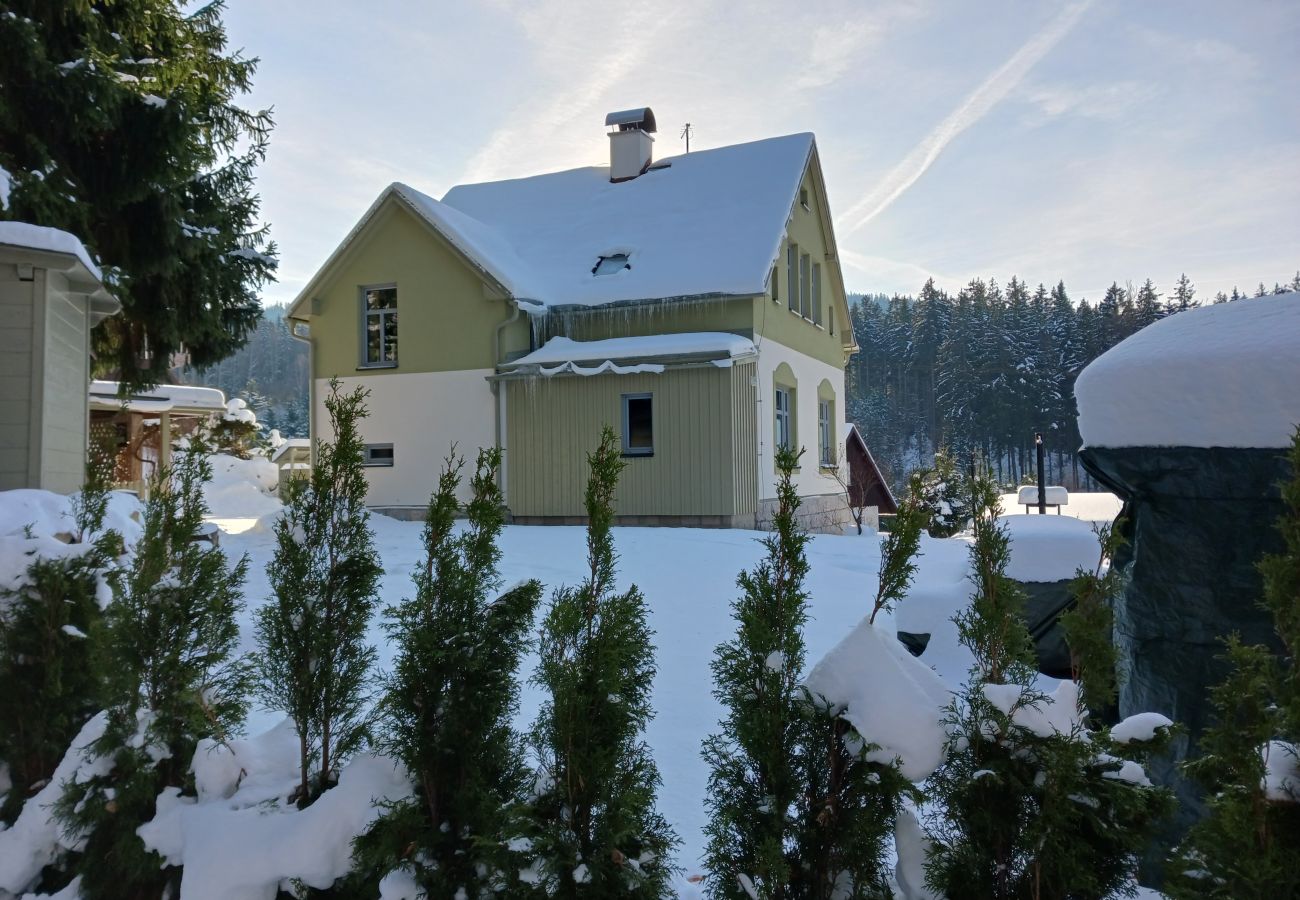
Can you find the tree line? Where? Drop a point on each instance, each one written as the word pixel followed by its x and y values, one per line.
pixel 984 370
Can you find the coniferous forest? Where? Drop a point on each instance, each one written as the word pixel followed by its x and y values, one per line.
pixel 984 370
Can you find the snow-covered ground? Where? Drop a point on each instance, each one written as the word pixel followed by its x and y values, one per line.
pixel 688 576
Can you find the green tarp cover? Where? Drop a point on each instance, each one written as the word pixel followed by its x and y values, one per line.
pixel 1197 520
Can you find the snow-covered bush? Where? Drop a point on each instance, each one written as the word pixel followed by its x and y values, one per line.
pixel 446 707
pixel 1031 802
pixel 170 678
pixel 314 662
pixel 944 493
pixel 50 606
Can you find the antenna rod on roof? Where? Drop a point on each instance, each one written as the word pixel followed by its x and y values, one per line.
pixel 686 133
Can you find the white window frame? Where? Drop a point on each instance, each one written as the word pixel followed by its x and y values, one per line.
pixel 382 316
pixel 805 288
pixel 783 423
pixel 628 449
pixel 369 460
pixel 824 431
pixel 792 275
pixel 817 293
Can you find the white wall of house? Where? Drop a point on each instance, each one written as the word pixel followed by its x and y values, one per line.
pixel 809 373
pixel 421 414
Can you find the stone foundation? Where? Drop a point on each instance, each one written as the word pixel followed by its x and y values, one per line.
pixel 819 513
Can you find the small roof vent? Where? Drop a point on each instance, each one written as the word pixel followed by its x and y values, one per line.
pixel 611 265
pixel 642 119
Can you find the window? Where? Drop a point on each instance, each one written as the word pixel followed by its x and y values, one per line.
pixel 378 455
pixel 805 290
pixel 792 273
pixel 609 265
pixel 784 421
pixel 830 317
pixel 776 285
pixel 824 431
pixel 379 326
pixel 817 293
pixel 803 199
pixel 638 425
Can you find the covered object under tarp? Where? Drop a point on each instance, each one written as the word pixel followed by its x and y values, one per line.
pixel 1187 422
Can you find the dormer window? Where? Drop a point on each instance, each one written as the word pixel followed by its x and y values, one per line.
pixel 609 265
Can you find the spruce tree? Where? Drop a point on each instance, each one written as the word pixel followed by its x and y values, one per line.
pixel 1248 846
pixel 1029 803
pixel 46 628
pixel 171 678
pixel 314 662
pixel 448 703
pixel 120 123
pixel 595 830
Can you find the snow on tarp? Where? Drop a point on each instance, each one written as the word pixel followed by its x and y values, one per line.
pixel 51 240
pixel 1226 375
pixel 1049 548
pixel 704 343
pixel 241 839
pixel 889 696
pixel 704 223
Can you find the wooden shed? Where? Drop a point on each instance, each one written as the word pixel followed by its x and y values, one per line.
pixel 867 487
pixel 51 297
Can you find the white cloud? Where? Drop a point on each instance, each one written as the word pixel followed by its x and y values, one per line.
pixel 971 110
pixel 1107 102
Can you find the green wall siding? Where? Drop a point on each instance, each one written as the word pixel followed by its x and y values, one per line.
pixel 552 423
pixel 446 316
pixel 17 308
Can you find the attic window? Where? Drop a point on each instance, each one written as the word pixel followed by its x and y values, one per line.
pixel 803 198
pixel 609 265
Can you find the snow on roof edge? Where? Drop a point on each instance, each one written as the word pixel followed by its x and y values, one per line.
pixel 700 343
pixel 50 240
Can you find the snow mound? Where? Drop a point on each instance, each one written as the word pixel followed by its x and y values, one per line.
pixel 889 696
pixel 242 487
pixel 36 839
pixel 237 411
pixel 1055 713
pixel 51 514
pixel 567 350
pixel 241 839
pixel 1218 376
pixel 1050 548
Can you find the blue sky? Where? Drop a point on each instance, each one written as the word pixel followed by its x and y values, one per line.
pixel 1090 141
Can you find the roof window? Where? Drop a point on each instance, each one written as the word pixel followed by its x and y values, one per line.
pixel 609 265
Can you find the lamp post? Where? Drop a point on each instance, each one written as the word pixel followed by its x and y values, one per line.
pixel 1042 479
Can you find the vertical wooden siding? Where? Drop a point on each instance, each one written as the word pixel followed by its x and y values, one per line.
pixel 552 423
pixel 16 311
pixel 64 413
pixel 744 431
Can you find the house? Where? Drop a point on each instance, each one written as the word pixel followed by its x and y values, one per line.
pixel 694 303
pixel 137 430
pixel 52 295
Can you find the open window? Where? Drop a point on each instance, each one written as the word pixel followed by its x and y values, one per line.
pixel 612 264
pixel 638 425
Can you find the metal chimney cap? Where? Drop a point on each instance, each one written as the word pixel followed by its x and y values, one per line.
pixel 642 118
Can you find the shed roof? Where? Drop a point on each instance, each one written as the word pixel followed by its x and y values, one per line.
pixel 105 395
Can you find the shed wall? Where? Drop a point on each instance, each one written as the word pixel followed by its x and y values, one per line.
pixel 16 308
pixel 64 401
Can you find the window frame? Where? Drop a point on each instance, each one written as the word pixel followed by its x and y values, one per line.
pixel 370 462
pixel 624 403
pixel 824 415
pixel 817 293
pixel 365 313
pixel 783 416
pixel 805 287
pixel 792 275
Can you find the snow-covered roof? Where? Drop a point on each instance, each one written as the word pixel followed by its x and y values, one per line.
pixel 49 240
pixel 163 398
pixel 704 344
pixel 1226 375
pixel 708 223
